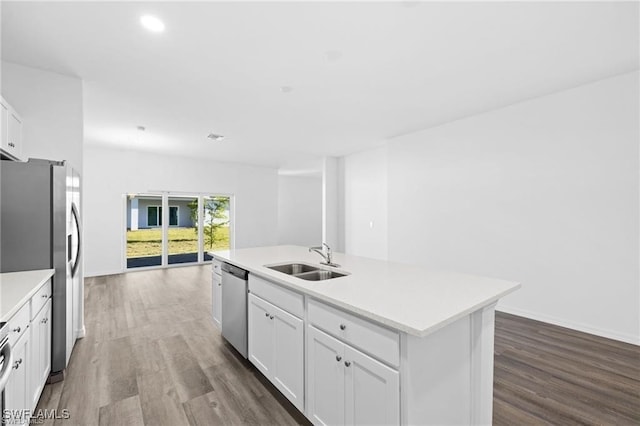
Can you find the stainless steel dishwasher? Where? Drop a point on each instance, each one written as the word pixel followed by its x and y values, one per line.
pixel 234 307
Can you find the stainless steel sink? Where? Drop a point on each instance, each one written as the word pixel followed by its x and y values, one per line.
pixel 307 272
pixel 320 275
pixel 293 268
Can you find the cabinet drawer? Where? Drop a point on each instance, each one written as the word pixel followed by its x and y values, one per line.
pixel 19 323
pixel 216 278
pixel 217 267
pixel 285 299
pixel 378 341
pixel 40 299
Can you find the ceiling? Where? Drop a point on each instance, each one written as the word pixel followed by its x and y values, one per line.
pixel 359 73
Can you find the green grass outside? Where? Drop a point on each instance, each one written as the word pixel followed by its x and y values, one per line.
pixel 148 242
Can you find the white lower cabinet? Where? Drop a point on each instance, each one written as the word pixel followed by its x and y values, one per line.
pixel 17 391
pixel 372 390
pixel 40 352
pixel 216 299
pixel 325 386
pixel 345 386
pixel 276 347
pixel 31 325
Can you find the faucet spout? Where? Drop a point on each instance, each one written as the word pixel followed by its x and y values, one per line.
pixel 325 251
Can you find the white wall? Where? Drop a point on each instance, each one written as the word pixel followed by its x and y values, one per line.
pixel 300 210
pixel 50 105
pixel 110 173
pixel 544 192
pixel 365 203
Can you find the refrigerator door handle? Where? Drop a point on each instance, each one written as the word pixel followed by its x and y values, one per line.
pixel 76 220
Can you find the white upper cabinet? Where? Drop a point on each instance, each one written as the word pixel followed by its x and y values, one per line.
pixel 10 131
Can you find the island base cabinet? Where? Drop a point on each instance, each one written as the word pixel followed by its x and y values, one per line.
pixel 345 386
pixel 17 391
pixel 325 376
pixel 276 347
pixel 372 391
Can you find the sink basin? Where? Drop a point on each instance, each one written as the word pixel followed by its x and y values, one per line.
pixel 306 272
pixel 293 268
pixel 320 275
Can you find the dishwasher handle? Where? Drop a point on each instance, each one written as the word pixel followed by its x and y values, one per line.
pixel 235 271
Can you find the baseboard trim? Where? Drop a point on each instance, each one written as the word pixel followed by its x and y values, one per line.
pixel 622 337
pixel 101 273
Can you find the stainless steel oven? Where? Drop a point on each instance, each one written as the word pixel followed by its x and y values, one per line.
pixel 5 365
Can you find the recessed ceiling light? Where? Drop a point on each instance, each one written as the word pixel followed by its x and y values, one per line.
pixel 215 137
pixel 286 89
pixel 152 23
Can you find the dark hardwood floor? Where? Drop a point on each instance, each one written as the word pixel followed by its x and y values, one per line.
pixel 545 374
pixel 152 356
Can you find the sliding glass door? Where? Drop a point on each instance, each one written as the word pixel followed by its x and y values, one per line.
pixel 144 230
pixel 165 229
pixel 215 226
pixel 182 233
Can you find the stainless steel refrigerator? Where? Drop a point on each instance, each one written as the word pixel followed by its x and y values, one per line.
pixel 40 228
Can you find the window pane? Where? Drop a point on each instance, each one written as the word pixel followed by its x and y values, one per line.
pixel 173 215
pixel 152 216
pixel 144 238
pixel 183 231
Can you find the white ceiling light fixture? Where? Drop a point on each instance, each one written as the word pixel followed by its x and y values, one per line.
pixel 152 23
pixel 215 137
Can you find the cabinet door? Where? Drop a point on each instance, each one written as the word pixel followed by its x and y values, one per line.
pixel 14 143
pixel 372 390
pixel 45 344
pixel 325 378
pixel 4 122
pixel 40 366
pixel 17 395
pixel 216 300
pixel 288 359
pixel 260 334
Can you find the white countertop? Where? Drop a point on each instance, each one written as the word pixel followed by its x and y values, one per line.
pixel 404 297
pixel 16 288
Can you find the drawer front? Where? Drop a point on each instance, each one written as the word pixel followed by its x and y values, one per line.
pixel 19 323
pixel 216 278
pixel 217 267
pixel 40 299
pixel 377 341
pixel 283 298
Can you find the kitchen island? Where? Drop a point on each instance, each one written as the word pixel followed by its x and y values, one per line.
pixel 386 343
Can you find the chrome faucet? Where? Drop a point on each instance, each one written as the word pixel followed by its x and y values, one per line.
pixel 326 254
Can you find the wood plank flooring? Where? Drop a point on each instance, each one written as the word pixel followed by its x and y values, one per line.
pixel 546 374
pixel 153 357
